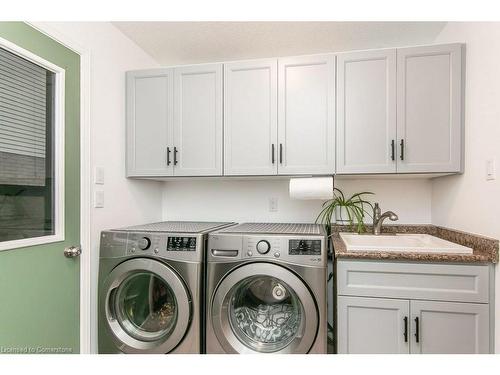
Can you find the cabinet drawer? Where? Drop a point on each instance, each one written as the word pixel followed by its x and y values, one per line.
pixel 445 282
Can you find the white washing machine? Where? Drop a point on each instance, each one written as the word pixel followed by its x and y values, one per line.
pixel 151 279
pixel 267 289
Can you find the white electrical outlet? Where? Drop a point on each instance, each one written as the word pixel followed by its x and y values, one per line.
pixel 490 169
pixel 273 204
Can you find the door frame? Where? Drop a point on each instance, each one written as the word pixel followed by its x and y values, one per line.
pixel 87 324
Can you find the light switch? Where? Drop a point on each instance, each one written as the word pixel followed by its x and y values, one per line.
pixel 99 199
pixel 99 176
pixel 490 169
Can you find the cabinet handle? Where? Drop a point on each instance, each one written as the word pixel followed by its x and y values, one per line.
pixel 417 330
pixel 405 334
pixel 281 153
pixel 402 144
pixel 175 155
pixel 168 155
pixel 272 153
pixel 392 150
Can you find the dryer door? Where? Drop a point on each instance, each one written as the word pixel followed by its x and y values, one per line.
pixel 264 308
pixel 147 307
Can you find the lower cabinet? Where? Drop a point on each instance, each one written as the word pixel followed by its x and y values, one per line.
pixel 391 326
pixel 382 308
pixel 449 327
pixel 372 325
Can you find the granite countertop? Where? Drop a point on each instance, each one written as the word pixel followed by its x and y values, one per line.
pixel 485 250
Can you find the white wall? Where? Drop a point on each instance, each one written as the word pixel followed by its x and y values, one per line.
pixel 248 200
pixel 468 202
pixel 126 201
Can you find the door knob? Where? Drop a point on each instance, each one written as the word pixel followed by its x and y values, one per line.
pixel 72 251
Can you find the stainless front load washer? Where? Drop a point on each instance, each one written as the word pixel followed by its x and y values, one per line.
pixel 151 279
pixel 266 289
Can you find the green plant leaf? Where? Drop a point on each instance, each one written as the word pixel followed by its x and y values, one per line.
pixel 340 192
pixel 356 208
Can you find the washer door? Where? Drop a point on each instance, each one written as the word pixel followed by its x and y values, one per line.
pixel 264 308
pixel 147 307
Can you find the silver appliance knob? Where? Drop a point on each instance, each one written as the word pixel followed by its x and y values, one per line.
pixel 276 255
pixel 263 247
pixel 249 253
pixel 144 243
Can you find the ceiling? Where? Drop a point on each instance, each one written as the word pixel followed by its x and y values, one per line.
pixel 172 43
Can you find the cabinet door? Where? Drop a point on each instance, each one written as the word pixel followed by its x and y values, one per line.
pixel 430 108
pixel 250 120
pixel 372 325
pixel 306 115
pixel 198 120
pixel 366 112
pixel 149 122
pixel 449 327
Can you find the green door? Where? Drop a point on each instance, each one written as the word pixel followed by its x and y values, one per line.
pixel 39 286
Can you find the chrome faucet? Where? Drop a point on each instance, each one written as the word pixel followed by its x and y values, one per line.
pixel 378 218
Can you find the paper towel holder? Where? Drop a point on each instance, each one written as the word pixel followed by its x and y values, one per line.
pixel 312 188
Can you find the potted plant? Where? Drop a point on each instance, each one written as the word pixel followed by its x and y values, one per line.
pixel 351 211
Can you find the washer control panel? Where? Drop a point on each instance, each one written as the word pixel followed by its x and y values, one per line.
pixel 181 244
pixel 304 247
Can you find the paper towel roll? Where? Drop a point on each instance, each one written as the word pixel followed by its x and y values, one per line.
pixel 311 188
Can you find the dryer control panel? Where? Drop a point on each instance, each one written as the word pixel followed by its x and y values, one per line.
pixel 304 247
pixel 303 250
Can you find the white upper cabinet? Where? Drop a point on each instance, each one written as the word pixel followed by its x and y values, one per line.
pixel 250 119
pixel 149 122
pixel 198 120
pixel 306 115
pixel 429 109
pixel 366 112
pixel 394 110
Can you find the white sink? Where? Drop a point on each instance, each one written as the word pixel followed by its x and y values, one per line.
pixel 402 243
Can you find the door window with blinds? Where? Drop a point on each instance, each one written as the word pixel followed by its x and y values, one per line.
pixel 29 203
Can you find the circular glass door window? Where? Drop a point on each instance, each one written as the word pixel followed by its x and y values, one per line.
pixel 265 313
pixel 146 307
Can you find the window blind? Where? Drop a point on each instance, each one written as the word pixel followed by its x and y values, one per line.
pixel 23 95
